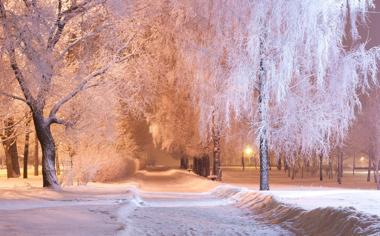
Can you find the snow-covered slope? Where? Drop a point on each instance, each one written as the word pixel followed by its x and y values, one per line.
pixel 272 207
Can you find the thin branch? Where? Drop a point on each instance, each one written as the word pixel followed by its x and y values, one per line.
pixel 13 96
pixel 29 4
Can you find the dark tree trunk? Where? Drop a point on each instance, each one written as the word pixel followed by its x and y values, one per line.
pixel 216 151
pixel 369 166
pixel 293 171
pixel 242 162
pixel 353 164
pixel 374 168
pixel 9 141
pixel 14 156
pixel 183 163
pixel 339 157
pixel 26 148
pixel 8 162
pixel 194 165
pixel 57 166
pixel 206 165
pixel 279 165
pixel 329 172
pixel 48 150
pixel 341 165
pixel 377 174
pixel 36 162
pixel 285 165
pixel 320 167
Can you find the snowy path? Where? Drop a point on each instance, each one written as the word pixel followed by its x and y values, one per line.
pixel 175 202
pixel 193 214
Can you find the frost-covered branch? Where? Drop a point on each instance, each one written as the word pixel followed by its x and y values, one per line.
pixel 84 83
pixel 63 17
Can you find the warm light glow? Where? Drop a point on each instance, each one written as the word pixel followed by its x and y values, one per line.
pixel 248 151
pixel 361 159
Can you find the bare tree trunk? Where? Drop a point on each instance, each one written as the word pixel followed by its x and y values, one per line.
pixel 374 168
pixel 48 150
pixel 293 171
pixel 8 162
pixel 330 172
pixel 341 164
pixel 377 174
pixel 14 156
pixel 339 159
pixel 279 164
pixel 26 148
pixel 320 167
pixel 9 141
pixel 285 164
pixel 242 162
pixel 369 166
pixel 57 166
pixel 206 160
pixel 216 152
pixel 36 162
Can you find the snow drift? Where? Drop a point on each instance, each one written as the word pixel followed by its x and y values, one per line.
pixel 319 221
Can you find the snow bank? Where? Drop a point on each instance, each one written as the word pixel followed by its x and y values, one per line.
pixel 317 221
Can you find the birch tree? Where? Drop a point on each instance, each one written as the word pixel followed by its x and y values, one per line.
pixel 288 68
pixel 294 57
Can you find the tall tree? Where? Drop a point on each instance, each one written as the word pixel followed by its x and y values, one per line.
pixel 291 53
pixel 51 49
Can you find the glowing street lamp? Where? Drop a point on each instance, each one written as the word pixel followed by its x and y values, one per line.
pixel 248 153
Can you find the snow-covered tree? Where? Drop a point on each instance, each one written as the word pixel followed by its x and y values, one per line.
pixel 287 68
pixel 56 50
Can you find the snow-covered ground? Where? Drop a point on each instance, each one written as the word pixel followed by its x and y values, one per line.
pixel 310 193
pixel 191 214
pixel 176 202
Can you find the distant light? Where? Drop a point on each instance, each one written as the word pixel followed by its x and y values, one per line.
pixel 361 159
pixel 248 151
